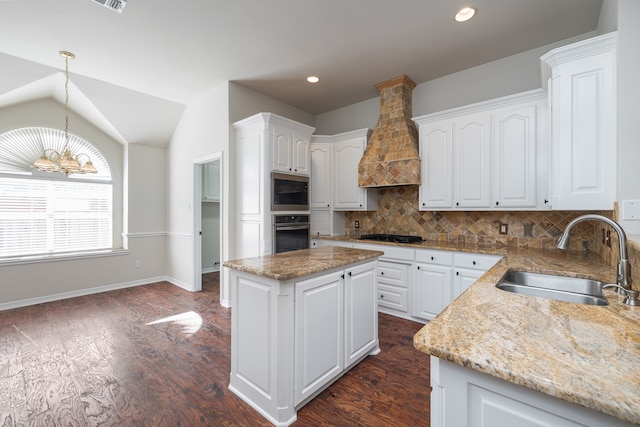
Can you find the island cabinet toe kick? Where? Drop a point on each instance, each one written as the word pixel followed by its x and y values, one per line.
pixel 290 339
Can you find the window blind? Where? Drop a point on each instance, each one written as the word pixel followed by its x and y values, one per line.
pixel 39 216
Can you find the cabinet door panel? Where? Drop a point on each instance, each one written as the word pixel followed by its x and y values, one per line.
pixel 361 326
pixel 300 154
pixel 471 145
pixel 436 165
pixel 346 156
pixel 433 290
pixel 319 354
pixel 514 148
pixel 281 149
pixel 320 181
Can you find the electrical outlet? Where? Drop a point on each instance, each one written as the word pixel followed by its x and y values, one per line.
pixel 138 263
pixel 504 228
pixel 357 224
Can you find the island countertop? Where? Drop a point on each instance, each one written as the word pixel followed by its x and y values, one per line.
pixel 295 264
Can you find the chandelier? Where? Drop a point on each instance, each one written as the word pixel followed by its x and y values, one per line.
pixel 67 162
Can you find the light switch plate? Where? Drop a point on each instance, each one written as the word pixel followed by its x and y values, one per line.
pixel 631 210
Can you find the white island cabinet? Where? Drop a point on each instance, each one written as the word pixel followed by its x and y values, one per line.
pixel 299 321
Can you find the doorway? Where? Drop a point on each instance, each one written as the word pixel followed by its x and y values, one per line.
pixel 207 221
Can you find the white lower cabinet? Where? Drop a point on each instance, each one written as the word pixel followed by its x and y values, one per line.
pixel 393 287
pixel 361 314
pixel 336 325
pixel 441 276
pixel 319 332
pixel 417 284
pixel 462 397
pixel 432 286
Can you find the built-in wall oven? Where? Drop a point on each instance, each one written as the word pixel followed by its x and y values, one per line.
pixel 289 192
pixel 291 232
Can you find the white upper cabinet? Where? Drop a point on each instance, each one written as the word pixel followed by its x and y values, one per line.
pixel 320 181
pixel 472 161
pixel 436 163
pixel 347 151
pixel 581 79
pixel 490 155
pixel 514 157
pixel 211 182
pixel 290 151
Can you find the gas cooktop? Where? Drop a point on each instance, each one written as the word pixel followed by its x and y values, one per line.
pixel 395 238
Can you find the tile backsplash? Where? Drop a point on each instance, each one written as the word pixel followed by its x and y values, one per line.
pixel 398 213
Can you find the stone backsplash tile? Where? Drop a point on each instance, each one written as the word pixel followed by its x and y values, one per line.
pixel 398 213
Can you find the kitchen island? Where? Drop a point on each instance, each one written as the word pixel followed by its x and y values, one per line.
pixel 299 321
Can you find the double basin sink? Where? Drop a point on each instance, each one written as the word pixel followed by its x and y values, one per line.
pixel 562 288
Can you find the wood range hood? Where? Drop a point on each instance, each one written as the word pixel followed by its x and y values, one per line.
pixel 392 157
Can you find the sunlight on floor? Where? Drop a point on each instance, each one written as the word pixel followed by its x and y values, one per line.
pixel 190 322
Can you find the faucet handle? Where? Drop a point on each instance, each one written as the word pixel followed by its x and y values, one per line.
pixel 631 296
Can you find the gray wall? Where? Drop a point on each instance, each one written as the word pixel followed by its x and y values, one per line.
pixel 506 76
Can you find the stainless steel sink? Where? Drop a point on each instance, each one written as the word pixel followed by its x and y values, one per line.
pixel 562 288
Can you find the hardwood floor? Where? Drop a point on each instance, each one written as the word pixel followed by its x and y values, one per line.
pixel 157 355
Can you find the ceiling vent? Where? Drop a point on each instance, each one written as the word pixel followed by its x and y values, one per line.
pixel 117 5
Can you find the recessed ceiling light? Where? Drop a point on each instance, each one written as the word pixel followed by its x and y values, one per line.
pixel 313 79
pixel 465 14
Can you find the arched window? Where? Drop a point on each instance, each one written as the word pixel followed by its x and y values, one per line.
pixel 51 213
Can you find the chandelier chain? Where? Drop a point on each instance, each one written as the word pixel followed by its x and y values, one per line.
pixel 66 99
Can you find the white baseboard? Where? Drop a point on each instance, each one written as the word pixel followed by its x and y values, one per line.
pixel 78 293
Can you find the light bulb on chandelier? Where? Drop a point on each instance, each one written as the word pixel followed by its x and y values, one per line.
pixel 67 162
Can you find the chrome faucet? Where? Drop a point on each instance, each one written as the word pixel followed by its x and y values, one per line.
pixel 624 270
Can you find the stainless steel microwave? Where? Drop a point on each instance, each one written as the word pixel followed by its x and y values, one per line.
pixel 289 192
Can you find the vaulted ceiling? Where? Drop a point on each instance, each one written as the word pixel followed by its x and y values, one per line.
pixel 135 71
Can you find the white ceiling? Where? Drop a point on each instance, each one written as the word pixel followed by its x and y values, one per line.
pixel 137 70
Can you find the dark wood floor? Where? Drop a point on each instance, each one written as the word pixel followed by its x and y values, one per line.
pixel 156 355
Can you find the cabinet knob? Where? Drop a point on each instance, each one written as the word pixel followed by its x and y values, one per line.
pixel 497 203
pixel 342 276
pixel 381 296
pixel 328 205
pixel 424 204
pixel 382 273
pixel 360 204
pixel 457 204
pixel 418 267
pixel 432 258
pixel 457 273
pixel 546 201
pixel 295 170
pixel 474 263
pixel 349 274
pixel 289 169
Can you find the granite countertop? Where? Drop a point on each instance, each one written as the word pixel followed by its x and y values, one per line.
pixel 295 264
pixel 584 354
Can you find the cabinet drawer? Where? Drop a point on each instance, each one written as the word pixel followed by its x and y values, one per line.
pixel 476 261
pixel 393 297
pixel 434 257
pixel 393 273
